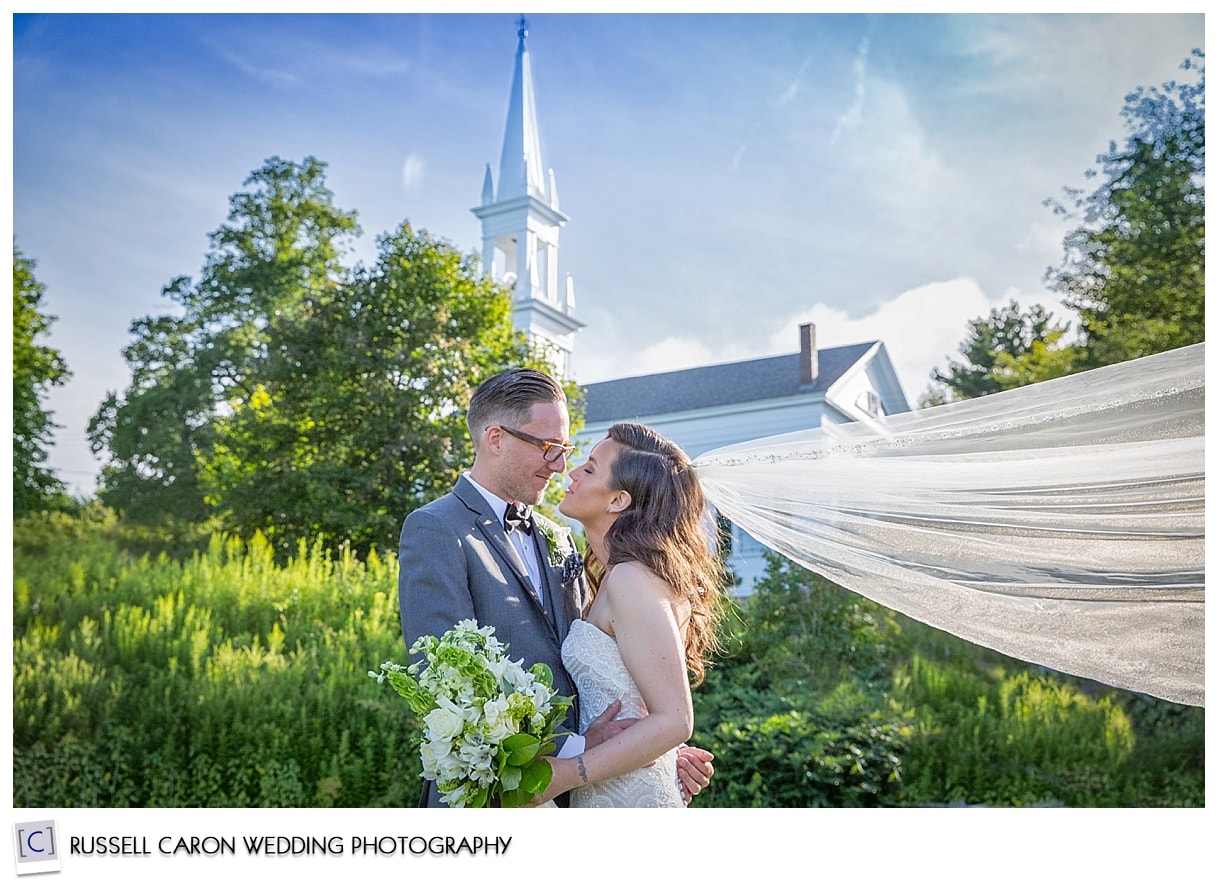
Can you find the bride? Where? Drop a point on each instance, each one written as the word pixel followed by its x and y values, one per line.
pixel 656 597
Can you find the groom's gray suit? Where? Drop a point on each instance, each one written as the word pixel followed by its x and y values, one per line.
pixel 457 563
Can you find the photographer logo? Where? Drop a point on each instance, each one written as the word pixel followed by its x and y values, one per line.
pixel 36 847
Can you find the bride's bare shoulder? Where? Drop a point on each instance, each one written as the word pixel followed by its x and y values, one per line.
pixel 632 578
pixel 632 572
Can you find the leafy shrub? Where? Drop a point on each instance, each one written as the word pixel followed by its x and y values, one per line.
pixel 805 633
pixel 772 752
pixel 221 680
pixel 1023 739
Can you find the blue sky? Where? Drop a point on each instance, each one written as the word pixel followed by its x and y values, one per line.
pixel 727 176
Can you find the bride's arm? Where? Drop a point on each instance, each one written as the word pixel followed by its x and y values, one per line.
pixel 637 605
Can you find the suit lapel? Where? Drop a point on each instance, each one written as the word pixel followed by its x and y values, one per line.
pixel 563 605
pixel 550 586
pixel 492 529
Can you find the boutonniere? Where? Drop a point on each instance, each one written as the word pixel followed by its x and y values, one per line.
pixel 558 541
pixel 572 567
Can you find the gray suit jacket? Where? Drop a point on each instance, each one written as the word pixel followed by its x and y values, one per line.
pixel 457 563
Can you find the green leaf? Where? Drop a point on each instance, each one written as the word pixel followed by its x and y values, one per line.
pixel 511 777
pixel 536 777
pixel 542 673
pixel 515 798
pixel 522 750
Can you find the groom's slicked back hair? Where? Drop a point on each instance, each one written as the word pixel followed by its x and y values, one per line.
pixel 509 398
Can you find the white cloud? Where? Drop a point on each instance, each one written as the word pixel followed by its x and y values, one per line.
pixel 921 329
pixel 854 114
pixel 412 171
pixel 265 74
pixel 890 158
pixel 793 89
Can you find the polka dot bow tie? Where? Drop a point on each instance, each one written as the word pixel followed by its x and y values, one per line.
pixel 518 517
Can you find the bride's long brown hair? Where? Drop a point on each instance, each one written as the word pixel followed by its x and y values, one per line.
pixel 669 528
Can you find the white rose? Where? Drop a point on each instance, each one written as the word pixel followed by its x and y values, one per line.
pixel 435 755
pixel 444 723
pixel 493 710
pixel 499 730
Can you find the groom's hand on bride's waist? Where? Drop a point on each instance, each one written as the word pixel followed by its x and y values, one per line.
pixel 605 726
pixel 694 770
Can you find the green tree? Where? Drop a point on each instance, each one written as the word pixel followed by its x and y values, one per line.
pixel 1009 348
pixel 152 437
pixel 295 395
pixel 806 635
pixel 1134 268
pixel 282 243
pixel 36 369
pixel 360 416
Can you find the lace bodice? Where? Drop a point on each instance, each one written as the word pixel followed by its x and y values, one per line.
pixel 592 659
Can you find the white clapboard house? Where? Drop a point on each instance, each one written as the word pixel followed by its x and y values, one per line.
pixel 707 407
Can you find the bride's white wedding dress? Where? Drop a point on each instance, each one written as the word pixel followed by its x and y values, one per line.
pixel 592 659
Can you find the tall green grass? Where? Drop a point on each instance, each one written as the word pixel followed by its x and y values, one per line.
pixel 220 680
pixel 209 674
pixel 1022 739
pixel 992 730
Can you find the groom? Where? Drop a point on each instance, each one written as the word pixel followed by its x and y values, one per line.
pixel 474 554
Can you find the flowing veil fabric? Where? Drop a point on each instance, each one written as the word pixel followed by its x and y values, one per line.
pixel 1060 523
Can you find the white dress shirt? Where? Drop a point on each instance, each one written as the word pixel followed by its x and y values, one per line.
pixel 574 744
pixel 521 541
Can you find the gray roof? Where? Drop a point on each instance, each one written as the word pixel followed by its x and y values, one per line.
pixel 714 385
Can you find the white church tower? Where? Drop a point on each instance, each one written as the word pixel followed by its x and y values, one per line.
pixel 520 224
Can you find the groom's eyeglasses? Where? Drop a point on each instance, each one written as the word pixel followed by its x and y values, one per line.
pixel 550 451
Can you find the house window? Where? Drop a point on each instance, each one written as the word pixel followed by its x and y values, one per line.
pixel 868 402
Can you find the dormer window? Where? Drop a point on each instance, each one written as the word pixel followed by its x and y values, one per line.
pixel 868 402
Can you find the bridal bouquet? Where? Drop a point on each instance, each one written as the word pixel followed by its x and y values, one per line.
pixel 487 722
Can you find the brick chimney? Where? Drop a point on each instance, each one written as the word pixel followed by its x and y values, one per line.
pixel 809 365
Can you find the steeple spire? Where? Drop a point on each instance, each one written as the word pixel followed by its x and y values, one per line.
pixel 521 221
pixel 521 171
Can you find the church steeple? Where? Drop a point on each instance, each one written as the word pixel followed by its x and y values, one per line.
pixel 521 221
pixel 521 172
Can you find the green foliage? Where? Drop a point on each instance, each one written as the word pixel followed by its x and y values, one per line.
pixel 36 369
pixel 1134 268
pixel 824 700
pixel 359 416
pixel 1010 348
pixel 805 632
pixel 68 537
pixel 992 730
pixel 153 436
pixel 1018 739
pixel 793 713
pixel 221 680
pixel 295 396
pixel 218 676
pixel 282 242
pixel 799 751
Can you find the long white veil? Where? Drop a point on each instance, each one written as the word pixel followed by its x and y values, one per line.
pixel 1062 523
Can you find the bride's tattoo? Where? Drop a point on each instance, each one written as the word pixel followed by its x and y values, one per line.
pixel 583 773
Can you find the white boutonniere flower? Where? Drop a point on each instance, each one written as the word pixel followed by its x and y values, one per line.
pixel 558 541
pixel 560 549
